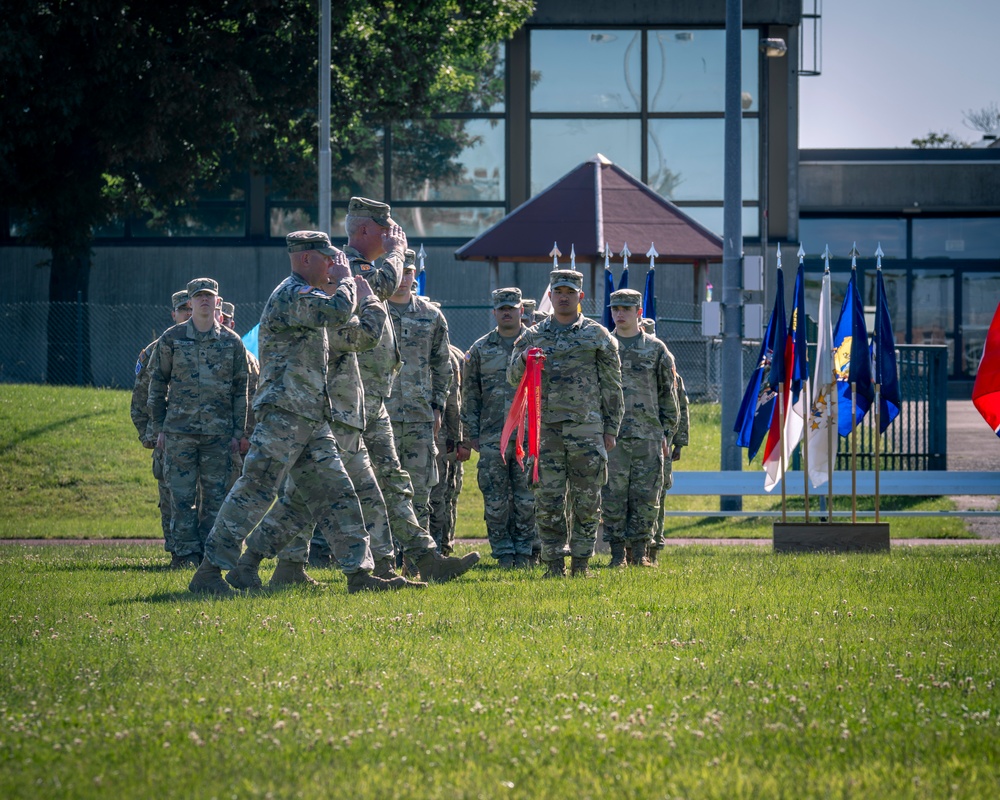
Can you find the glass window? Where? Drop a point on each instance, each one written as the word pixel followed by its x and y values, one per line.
pixel 895 298
pixel 559 145
pixel 457 160
pixel 687 70
pixel 934 309
pixel 427 221
pixel 586 70
pixel 687 158
pixel 841 234
pixel 956 238
pixel 980 291
pixel 713 217
pixel 223 221
pixel 285 219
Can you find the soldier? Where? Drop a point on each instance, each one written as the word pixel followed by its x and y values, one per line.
pixel 253 375
pixel 680 440
pixel 198 410
pixel 180 313
pixel 631 498
pixel 292 437
pixel 509 506
pixel 582 410
pixel 420 389
pixel 527 311
pixel 376 249
pixel 228 313
pixel 444 496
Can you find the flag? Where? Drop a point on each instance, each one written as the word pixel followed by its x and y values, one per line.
pixel 781 370
pixel 649 296
pixel 823 413
pixel 757 407
pixel 623 283
pixel 422 283
pixel 250 340
pixel 852 359
pixel 796 370
pixel 545 304
pixel 527 402
pixel 609 287
pixel 884 352
pixel 986 389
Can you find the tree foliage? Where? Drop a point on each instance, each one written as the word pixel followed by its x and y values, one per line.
pixel 939 141
pixel 985 120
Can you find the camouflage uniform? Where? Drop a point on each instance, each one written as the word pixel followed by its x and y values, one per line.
pixel 420 389
pixel 348 397
pixel 581 402
pixel 680 440
pixel 631 498
pixel 444 496
pixel 140 418
pixel 509 505
pixel 236 460
pixel 378 367
pixel 292 441
pixel 198 400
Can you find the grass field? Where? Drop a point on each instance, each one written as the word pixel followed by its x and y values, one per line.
pixel 725 673
pixel 71 467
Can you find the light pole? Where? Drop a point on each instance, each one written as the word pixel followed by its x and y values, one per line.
pixel 325 189
pixel 771 48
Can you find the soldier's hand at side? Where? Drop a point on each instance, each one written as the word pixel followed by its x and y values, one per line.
pixel 149 444
pixel 437 420
pixel 160 440
pixel 339 267
pixel 244 445
pixel 610 442
pixel 234 446
pixel 676 456
pixel 394 239
pixel 464 453
pixel 364 288
pixel 475 444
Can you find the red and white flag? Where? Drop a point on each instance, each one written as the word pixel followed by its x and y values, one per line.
pixel 527 402
pixel 986 389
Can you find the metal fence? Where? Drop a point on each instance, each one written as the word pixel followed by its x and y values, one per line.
pixel 97 345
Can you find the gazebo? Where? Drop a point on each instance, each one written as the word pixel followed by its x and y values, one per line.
pixel 594 204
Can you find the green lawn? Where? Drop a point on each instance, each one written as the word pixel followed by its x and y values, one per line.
pixel 725 673
pixel 71 467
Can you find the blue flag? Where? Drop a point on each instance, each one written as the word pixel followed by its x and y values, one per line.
pixel 250 340
pixel 884 351
pixel 623 283
pixel 609 287
pixel 422 283
pixel 649 296
pixel 797 336
pixel 757 408
pixel 852 359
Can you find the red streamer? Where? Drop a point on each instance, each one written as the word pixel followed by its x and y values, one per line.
pixel 527 402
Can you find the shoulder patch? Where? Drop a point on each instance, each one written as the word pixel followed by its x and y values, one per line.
pixel 468 355
pixel 312 291
pixel 138 365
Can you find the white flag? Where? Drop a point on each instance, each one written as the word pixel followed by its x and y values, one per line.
pixel 545 304
pixel 824 394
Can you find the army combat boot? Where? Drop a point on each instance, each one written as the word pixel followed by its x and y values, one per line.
pixel 245 575
pixel 639 554
pixel 208 580
pixel 384 570
pixel 653 552
pixel 290 573
pixel 555 569
pixel 435 568
pixel 578 567
pixel 366 582
pixel 617 555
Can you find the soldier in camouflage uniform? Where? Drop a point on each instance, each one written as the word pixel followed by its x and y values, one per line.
pixel 376 250
pixel 444 496
pixel 528 311
pixel 198 410
pixel 582 410
pixel 509 505
pixel 631 498
pixel 680 440
pixel 420 389
pixel 139 411
pixel 293 447
pixel 253 375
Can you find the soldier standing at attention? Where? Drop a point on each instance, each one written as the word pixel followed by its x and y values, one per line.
pixel 681 439
pixel 509 506
pixel 444 496
pixel 198 410
pixel 376 249
pixel 292 437
pixel 420 389
pixel 582 410
pixel 139 411
pixel 631 498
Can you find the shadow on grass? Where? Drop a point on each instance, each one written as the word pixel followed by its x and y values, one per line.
pixel 34 433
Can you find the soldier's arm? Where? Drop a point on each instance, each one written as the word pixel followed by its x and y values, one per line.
pixel 609 376
pixel 385 275
pixel 314 308
pixel 684 421
pixel 440 366
pixel 240 382
pixel 160 368
pixel 666 384
pixel 516 365
pixel 361 332
pixel 138 410
pixel 472 395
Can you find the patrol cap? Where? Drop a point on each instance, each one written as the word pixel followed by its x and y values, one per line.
pixel 528 305
pixel 363 207
pixel 177 299
pixel 409 259
pixel 228 310
pixel 626 297
pixel 209 285
pixel 648 325
pixel 566 277
pixel 509 297
pixel 297 241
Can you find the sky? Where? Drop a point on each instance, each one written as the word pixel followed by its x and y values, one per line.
pixel 894 70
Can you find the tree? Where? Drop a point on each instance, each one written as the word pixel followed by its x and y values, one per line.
pixel 944 141
pixel 116 107
pixel 985 120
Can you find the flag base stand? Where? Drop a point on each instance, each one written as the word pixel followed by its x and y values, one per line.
pixel 836 537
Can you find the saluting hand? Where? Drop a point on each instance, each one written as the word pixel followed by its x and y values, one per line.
pixel 339 268
pixel 364 288
pixel 394 239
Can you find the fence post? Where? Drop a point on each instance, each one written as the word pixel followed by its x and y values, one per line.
pixel 79 338
pixel 938 412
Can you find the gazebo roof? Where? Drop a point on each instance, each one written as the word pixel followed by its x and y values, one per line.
pixel 595 203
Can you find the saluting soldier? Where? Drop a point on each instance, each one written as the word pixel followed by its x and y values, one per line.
pixel 631 499
pixel 508 503
pixel 582 406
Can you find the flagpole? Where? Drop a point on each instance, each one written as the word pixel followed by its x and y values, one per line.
pixel 854 453
pixel 781 444
pixel 878 385
pixel 831 440
pixel 808 417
